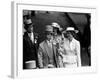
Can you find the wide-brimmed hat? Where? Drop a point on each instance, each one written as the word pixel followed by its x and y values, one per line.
pixel 71 29
pixel 56 25
pixel 48 28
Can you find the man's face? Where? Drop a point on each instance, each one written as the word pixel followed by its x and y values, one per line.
pixel 30 28
pixel 49 35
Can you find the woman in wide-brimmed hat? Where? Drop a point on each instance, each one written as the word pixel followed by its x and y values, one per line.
pixel 57 32
pixel 56 28
pixel 71 49
pixel 57 40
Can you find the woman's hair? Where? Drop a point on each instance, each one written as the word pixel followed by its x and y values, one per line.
pixel 59 32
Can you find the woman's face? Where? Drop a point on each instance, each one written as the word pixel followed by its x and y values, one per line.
pixel 55 31
pixel 69 35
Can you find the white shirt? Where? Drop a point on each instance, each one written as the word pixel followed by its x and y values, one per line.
pixel 31 35
pixel 49 43
pixel 72 48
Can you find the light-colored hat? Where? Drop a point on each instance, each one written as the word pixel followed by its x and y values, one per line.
pixel 30 64
pixel 49 28
pixel 71 29
pixel 56 25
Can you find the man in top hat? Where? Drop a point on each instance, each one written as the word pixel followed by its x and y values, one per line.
pixel 29 49
pixel 71 49
pixel 47 55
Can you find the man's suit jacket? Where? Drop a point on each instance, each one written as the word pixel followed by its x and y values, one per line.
pixel 29 49
pixel 43 52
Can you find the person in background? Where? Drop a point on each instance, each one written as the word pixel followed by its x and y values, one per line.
pixel 58 40
pixel 29 49
pixel 47 55
pixel 71 49
pixel 56 29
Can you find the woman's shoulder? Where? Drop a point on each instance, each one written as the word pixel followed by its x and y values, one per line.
pixel 76 42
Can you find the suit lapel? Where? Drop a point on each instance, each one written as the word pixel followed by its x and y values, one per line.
pixel 54 50
pixel 46 47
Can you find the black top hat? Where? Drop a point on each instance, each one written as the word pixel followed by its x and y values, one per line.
pixel 27 23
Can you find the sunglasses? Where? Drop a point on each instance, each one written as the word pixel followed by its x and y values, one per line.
pixel 48 33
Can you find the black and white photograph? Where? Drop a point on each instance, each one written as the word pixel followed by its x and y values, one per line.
pixel 53 39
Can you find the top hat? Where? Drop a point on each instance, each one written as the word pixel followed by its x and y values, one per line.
pixel 28 21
